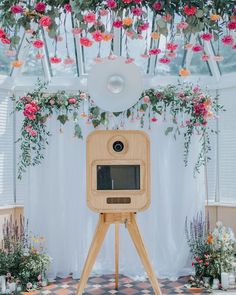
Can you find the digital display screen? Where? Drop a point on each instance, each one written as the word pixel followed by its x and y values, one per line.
pixel 118 177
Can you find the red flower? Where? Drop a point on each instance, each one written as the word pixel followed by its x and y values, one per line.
pixel 84 41
pixel 206 36
pixel 127 1
pixel 111 4
pixel 156 6
pixel 90 17
pixel 154 119
pixel 143 27
pixel 154 51
pixel 190 10
pixel 55 60
pixel 40 7
pixel 137 1
pixel 200 110
pixel 16 9
pixel 97 36
pixel 68 8
pixel 232 25
pixel 234 46
pixel 45 21
pixel 117 24
pixel 197 48
pixel 137 11
pixel 38 43
pixel 2 34
pixel 30 110
pixel 5 41
pixel 227 40
pixel 171 46
pixel 72 100
pixel 164 60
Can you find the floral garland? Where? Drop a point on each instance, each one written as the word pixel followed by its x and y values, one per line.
pixel 189 109
pixel 95 22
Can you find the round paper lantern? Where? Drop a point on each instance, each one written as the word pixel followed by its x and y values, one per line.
pixel 115 85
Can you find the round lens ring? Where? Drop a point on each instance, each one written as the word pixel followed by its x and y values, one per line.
pixel 118 146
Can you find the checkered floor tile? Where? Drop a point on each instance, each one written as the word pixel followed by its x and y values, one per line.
pixel 105 284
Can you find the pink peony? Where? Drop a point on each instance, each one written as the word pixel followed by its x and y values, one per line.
pixel 90 17
pixel 190 10
pixel 68 8
pixel 76 31
pixel 157 6
pixel 97 36
pixel 33 133
pixel 137 11
pixel 38 43
pixel 197 48
pixel 6 41
pixel 16 9
pixel 111 4
pixel 40 7
pixel 55 60
pixel 103 12
pixel 84 41
pixel 72 100
pixel 164 60
pixel 154 51
pixel 171 46
pixel 45 21
pixel 117 24
pixel 2 34
pixel 143 27
pixel 200 109
pixel 182 25
pixel 206 36
pixel 30 110
pixel 227 40
pixel 232 25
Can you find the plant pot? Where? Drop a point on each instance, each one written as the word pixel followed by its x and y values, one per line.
pixel 195 290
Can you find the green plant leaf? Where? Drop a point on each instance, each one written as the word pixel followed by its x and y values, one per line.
pixel 168 130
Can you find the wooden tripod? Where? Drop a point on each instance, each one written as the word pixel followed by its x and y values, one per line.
pixel 105 220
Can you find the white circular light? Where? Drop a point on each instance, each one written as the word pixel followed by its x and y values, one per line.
pixel 114 85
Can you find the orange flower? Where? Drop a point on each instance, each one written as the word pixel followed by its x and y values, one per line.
pixel 233 17
pixel 215 17
pixel 184 72
pixel 207 103
pixel 210 239
pixel 155 35
pixel 107 36
pixel 17 63
pixel 127 21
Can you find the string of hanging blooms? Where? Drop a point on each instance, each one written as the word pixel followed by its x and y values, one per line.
pixel 184 109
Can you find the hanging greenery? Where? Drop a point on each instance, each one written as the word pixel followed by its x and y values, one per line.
pixel 184 108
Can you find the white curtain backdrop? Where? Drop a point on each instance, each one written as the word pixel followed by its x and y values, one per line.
pixel 55 205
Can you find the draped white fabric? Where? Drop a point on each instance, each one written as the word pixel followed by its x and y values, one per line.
pixel 56 207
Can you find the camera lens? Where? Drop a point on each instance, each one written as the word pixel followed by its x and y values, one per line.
pixel 118 146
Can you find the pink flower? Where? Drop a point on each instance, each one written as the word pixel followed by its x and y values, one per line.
pixel 76 31
pixel 97 36
pixel 137 11
pixel 103 12
pixel 190 10
pixel 69 61
pixel 205 57
pixel 30 130
pixel 90 17
pixel 55 60
pixel 59 38
pixel 38 43
pixel 143 27
pixel 171 54
pixel 234 46
pixel 111 4
pixel 127 1
pixel 33 133
pixel 146 99
pixel 137 1
pixel 117 24
pixel 72 100
pixel 197 48
pixel 68 8
pixel 6 41
pixel 84 41
pixel 30 110
pixel 167 17
pixel 206 36
pixel 164 60
pixel 227 40
pixel 157 6
pixel 232 25
pixel 154 119
pixel 182 25
pixel 40 7
pixel 39 56
pixel 154 51
pixel 200 109
pixel 2 33
pixel 16 9
pixel 45 21
pixel 129 60
pixel 171 46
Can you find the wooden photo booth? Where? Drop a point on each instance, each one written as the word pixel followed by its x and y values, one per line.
pixel 118 186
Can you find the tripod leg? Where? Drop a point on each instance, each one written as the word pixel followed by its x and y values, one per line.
pixel 98 239
pixel 139 245
pixel 117 237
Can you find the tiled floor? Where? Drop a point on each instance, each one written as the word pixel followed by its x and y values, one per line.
pixel 105 285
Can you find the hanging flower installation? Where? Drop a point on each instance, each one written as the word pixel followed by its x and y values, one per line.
pixel 184 108
pixel 96 22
